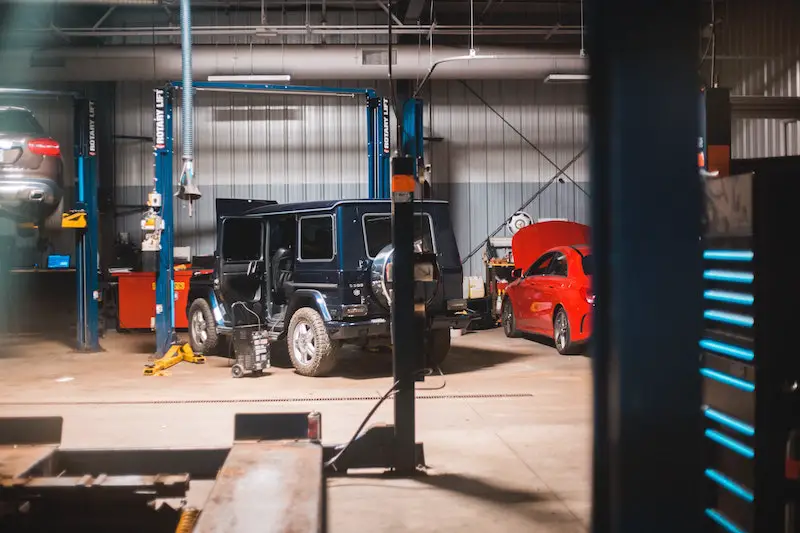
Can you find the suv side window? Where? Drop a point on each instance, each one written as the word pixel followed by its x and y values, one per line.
pixel 541 265
pixel 316 238
pixel 558 266
pixel 242 239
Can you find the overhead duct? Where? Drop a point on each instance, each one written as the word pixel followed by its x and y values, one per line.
pixel 187 189
pixel 301 62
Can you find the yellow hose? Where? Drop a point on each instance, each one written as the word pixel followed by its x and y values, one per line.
pixel 188 518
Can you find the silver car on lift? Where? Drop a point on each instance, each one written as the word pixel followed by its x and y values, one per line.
pixel 31 170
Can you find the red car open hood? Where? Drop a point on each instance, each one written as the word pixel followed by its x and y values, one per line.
pixel 532 241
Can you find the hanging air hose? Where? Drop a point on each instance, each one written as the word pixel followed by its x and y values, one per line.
pixel 187 521
pixel 187 189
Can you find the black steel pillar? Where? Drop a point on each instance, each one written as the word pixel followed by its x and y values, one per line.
pixel 406 335
pixel 717 130
pixel 646 207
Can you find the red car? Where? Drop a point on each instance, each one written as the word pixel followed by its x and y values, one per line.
pixel 553 297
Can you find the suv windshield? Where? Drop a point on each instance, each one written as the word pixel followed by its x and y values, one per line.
pixel 18 121
pixel 378 233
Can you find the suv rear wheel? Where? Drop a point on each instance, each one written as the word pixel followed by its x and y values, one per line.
pixel 203 337
pixel 438 347
pixel 312 351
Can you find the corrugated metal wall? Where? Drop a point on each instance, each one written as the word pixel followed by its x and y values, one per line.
pixel 285 148
pixel 759 55
pixel 292 148
pixel 488 171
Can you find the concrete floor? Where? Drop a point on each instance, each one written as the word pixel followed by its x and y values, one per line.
pixel 514 463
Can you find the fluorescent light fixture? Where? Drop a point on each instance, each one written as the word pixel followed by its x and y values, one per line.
pixel 298 92
pixel 250 78
pixel 566 78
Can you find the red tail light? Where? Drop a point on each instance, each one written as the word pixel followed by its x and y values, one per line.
pixel 587 294
pixel 47 147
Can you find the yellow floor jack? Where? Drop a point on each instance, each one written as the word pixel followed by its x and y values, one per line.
pixel 174 355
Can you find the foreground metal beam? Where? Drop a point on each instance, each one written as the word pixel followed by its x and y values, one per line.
pixel 290 495
pixel 646 210
pixel 270 480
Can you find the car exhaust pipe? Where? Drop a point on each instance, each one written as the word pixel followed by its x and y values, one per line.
pixel 36 196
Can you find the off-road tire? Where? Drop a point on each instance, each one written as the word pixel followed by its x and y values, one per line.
pixel 437 347
pixel 211 343
pixel 567 347
pixel 507 319
pixel 326 350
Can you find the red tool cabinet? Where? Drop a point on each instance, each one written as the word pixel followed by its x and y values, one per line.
pixel 137 299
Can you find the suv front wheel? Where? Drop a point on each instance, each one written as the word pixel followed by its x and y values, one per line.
pixel 312 351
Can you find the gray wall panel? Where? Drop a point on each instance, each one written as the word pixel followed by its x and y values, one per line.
pixel 759 55
pixel 286 148
pixel 487 171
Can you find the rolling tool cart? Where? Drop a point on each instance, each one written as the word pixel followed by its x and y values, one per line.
pixel 750 378
pixel 250 345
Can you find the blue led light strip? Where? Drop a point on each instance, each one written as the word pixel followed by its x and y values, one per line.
pixel 729 484
pixel 727 349
pixel 730 422
pixel 729 318
pixel 728 255
pixel 723 521
pixel 739 298
pixel 728 275
pixel 728 380
pixel 731 444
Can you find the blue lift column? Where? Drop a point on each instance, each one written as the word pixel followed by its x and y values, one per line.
pixel 165 293
pixel 86 245
pixel 384 150
pixel 413 133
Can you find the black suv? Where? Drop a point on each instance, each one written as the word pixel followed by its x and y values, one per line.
pixel 319 275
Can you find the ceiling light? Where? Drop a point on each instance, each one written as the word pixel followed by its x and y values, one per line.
pixel 250 78
pixel 566 78
pixel 290 92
